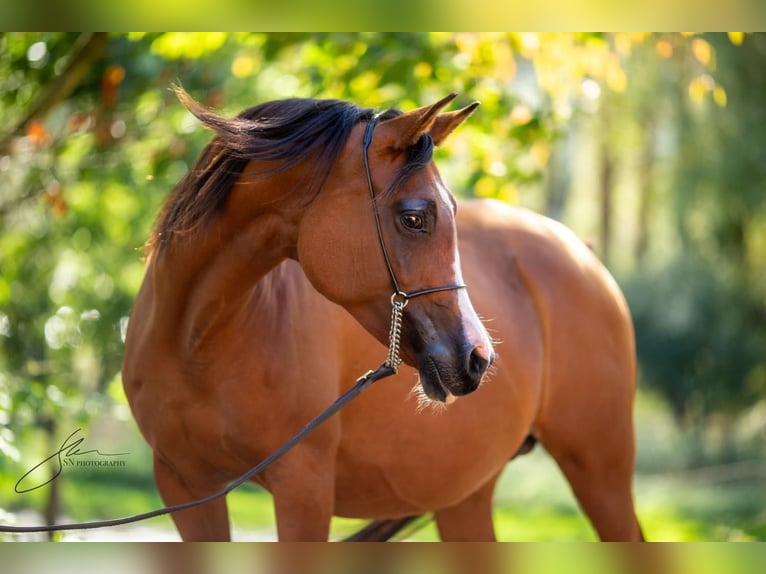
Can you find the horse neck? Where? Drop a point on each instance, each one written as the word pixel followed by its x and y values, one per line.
pixel 203 280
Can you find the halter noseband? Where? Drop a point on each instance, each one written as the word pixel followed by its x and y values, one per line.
pixel 399 298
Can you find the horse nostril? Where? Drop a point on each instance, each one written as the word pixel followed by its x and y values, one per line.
pixel 477 365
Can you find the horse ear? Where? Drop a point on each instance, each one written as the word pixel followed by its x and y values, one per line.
pixel 404 130
pixel 448 121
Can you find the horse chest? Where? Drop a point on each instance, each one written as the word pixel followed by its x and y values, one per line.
pixel 395 461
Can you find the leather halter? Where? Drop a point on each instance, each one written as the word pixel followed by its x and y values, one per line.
pixel 398 293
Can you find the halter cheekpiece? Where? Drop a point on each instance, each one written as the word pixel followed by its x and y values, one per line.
pixel 399 298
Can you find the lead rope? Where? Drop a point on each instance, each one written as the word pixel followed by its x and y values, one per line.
pixel 361 383
pixel 389 367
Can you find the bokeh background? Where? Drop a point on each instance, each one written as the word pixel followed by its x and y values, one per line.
pixel 652 147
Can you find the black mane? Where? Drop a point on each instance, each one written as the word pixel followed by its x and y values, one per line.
pixel 286 131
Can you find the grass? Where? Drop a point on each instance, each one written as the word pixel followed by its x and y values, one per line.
pixel 533 503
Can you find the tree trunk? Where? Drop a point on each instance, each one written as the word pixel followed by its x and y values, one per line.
pixel 646 194
pixel 559 176
pixel 89 47
pixel 606 183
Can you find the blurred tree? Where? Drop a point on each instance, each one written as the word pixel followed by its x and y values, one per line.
pixel 92 140
pixel 700 309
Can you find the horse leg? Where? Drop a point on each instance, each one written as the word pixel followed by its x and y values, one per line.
pixel 600 472
pixel 469 520
pixel 303 488
pixel 605 494
pixel 208 522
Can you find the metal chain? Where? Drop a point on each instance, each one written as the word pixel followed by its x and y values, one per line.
pixel 393 359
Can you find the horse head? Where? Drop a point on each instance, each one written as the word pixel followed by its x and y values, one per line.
pixel 363 250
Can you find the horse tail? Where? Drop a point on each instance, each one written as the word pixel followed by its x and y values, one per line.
pixel 381 530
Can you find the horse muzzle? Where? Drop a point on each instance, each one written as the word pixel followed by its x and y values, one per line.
pixel 446 374
pixel 449 346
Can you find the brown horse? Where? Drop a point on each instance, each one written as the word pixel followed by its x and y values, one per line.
pixel 289 179
pixel 275 352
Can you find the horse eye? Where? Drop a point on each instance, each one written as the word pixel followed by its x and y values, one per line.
pixel 413 221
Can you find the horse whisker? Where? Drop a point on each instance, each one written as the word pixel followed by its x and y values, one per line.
pixel 424 401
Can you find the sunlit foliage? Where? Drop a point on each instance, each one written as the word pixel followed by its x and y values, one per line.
pixel 651 146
